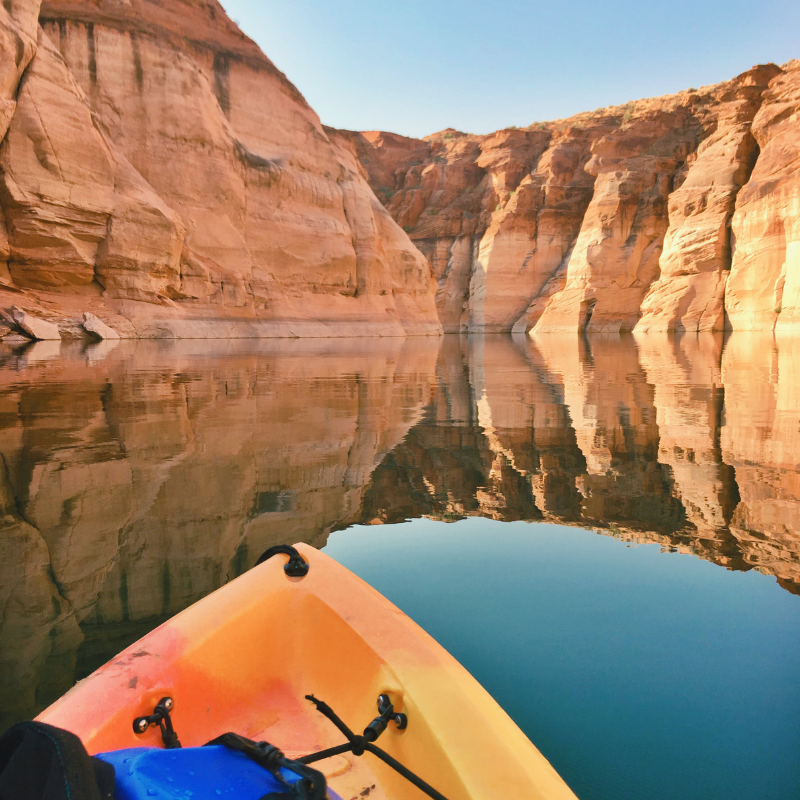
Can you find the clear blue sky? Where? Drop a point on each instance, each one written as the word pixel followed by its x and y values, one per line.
pixel 417 66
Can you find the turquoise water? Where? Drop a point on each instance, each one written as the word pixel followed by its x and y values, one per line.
pixel 638 673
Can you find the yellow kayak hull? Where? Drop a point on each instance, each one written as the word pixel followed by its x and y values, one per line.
pixel 243 659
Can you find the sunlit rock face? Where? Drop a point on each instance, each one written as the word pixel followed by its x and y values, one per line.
pixel 617 252
pixel 607 221
pixel 764 285
pixel 161 173
pixel 433 188
pixel 495 215
pixel 141 177
pixel 281 229
pixel 694 265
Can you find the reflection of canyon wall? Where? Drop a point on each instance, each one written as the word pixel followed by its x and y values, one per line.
pixel 760 439
pixel 135 480
pixel 134 486
pixel 627 217
pixel 648 438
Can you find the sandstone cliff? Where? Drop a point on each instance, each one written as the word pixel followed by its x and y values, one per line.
pixel 627 218
pixel 160 171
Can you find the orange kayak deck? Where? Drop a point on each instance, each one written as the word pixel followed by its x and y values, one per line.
pixel 243 659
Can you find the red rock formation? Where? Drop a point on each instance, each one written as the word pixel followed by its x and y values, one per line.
pixel 764 286
pixel 140 176
pixel 616 255
pixel 607 221
pixel 143 183
pixel 695 262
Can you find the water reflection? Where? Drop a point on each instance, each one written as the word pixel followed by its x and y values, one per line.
pixel 136 478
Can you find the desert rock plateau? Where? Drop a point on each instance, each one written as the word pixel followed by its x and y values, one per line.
pixel 157 171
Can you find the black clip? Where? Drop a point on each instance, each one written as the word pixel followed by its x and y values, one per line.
pixel 160 717
pixel 387 715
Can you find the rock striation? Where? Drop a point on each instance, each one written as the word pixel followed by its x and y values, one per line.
pixel 139 174
pixel 632 217
pixel 159 172
pixel 764 291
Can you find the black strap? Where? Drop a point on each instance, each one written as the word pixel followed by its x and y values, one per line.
pixel 312 784
pixel 295 567
pixel 357 745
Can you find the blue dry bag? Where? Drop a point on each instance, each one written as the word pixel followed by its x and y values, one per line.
pixel 213 772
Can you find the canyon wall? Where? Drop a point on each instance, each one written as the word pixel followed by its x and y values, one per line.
pixel 159 171
pixel 676 213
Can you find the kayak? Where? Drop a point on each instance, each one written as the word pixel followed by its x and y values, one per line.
pixel 297 652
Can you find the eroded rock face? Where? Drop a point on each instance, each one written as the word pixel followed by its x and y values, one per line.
pixel 58 179
pixel 248 218
pixel 764 286
pixel 695 263
pixel 616 255
pixel 607 221
pixel 140 175
pixel 18 34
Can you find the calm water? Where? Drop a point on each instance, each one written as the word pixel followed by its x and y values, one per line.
pixel 624 578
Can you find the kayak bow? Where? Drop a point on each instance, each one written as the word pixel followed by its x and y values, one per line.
pixel 244 658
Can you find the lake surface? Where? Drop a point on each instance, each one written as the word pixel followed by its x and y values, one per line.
pixel 623 573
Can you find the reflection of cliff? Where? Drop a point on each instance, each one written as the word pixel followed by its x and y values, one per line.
pixel 135 480
pixel 634 436
pixel 138 485
pixel 760 441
